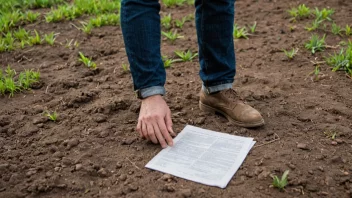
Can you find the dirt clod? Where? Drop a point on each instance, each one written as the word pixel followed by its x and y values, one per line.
pixel 302 146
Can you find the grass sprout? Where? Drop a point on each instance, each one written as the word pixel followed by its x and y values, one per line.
pixel 35 40
pixel 180 23
pixel 50 38
pixel 347 30
pixel 51 116
pixel 281 183
pixel 240 32
pixel 87 61
pixel 185 56
pixel 324 14
pixel 168 62
pixel 335 29
pixel 253 27
pixel 125 67
pixel 166 21
pixel 291 53
pixel 172 36
pixel 316 44
pixel 315 25
pixel 342 60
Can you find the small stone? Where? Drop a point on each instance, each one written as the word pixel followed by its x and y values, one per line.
pixel 99 118
pixel 102 172
pixel 200 120
pixel 321 168
pixel 40 120
pixel 67 161
pixel 186 193
pixel 4 167
pixel 72 143
pixel 169 188
pixel 130 172
pixel 337 159
pixel 104 134
pixel 263 175
pixel 293 167
pixel 132 188
pixel 123 177
pixel 128 141
pixel 302 146
pixel 118 165
pixel 339 141
pixel 166 177
pixel 311 172
pixel 333 143
pixel 49 174
pixel 78 167
pixel 57 154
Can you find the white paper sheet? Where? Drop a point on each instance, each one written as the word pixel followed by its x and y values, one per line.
pixel 203 156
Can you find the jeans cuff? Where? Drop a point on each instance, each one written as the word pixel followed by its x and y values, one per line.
pixel 216 88
pixel 151 91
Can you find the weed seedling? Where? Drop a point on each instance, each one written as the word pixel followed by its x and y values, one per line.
pixel 180 23
pixel 347 30
pixel 166 21
pixel 342 60
pixel 168 62
pixel 51 116
pixel 240 32
pixel 87 61
pixel 315 25
pixel 335 29
pixel 330 134
pixel 301 12
pixel 281 183
pixel 35 40
pixel 21 34
pixel 50 38
pixel 316 44
pixel 253 27
pixel 292 53
pixel 185 56
pixel 2 87
pixel 125 68
pixel 172 36
pixel 10 85
pixel 87 28
pixel 324 14
pixel 31 17
pixel 10 73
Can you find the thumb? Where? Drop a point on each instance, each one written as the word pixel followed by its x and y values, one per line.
pixel 168 122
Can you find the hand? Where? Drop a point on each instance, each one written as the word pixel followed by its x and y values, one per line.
pixel 154 122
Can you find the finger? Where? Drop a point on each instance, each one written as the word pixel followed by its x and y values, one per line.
pixel 144 130
pixel 165 132
pixel 168 122
pixel 139 128
pixel 151 133
pixel 159 135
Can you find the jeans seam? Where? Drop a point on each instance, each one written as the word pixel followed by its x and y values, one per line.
pixel 203 43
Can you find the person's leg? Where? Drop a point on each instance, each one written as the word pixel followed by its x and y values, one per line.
pixel 140 23
pixel 214 22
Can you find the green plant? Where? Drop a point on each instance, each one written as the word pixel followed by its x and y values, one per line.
pixel 2 87
pixel 21 34
pixel 185 56
pixel 10 85
pixel 55 15
pixel 172 36
pixel 330 134
pixel 240 32
pixel 86 28
pixel 341 60
pixel 324 14
pixel 302 11
pixel 180 23
pixel 171 3
pixel 35 40
pixel 281 183
pixel 87 61
pixel 10 73
pixel 316 44
pixel 347 30
pixel 292 53
pixel 168 62
pixel 125 67
pixel 9 42
pixel 315 25
pixel 335 29
pixel 52 116
pixel 50 38
pixel 30 16
pixel 253 27
pixel 166 21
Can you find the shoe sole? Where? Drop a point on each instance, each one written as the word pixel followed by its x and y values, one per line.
pixel 210 109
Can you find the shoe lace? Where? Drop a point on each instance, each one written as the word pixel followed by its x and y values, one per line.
pixel 233 95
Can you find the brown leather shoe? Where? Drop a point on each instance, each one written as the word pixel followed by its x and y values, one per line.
pixel 227 103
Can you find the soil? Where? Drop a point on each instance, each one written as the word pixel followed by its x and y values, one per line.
pixel 93 149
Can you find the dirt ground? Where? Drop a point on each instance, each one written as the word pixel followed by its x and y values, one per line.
pixel 94 151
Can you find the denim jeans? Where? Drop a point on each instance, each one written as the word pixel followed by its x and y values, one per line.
pixel 140 22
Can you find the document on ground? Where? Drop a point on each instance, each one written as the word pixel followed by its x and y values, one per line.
pixel 203 156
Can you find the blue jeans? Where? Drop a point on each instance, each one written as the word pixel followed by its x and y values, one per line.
pixel 140 22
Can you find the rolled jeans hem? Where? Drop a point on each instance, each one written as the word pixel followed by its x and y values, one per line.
pixel 216 88
pixel 151 91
